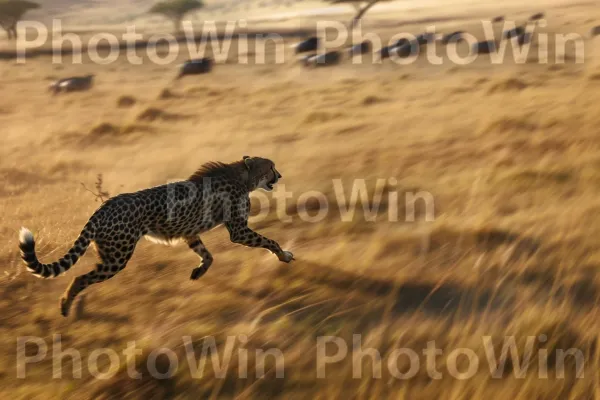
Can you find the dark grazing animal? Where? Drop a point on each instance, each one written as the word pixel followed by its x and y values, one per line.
pixel 425 38
pixel 405 50
pixel 322 60
pixel 72 84
pixel 525 38
pixel 361 48
pixel 386 52
pixel 308 45
pixel 195 67
pixel 595 31
pixel 515 32
pixel 452 37
pixel 484 47
pixel 401 42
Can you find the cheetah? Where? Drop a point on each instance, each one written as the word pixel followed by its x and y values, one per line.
pixel 216 194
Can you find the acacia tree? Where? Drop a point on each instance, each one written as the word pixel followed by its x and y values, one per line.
pixel 361 7
pixel 11 12
pixel 176 10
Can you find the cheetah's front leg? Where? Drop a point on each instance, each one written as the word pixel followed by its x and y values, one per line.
pixel 198 247
pixel 247 237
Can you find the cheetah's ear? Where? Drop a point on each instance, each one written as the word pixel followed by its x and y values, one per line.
pixel 247 161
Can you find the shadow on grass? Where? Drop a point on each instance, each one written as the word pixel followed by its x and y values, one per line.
pixel 326 297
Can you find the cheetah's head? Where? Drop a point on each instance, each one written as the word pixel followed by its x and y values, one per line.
pixel 261 173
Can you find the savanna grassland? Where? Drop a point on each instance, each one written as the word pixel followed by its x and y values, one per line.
pixel 510 154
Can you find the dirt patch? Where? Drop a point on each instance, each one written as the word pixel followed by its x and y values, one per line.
pixel 126 101
pixel 321 117
pixel 153 114
pixel 372 100
pixel 511 124
pixel 509 85
pixel 105 129
pixel 166 94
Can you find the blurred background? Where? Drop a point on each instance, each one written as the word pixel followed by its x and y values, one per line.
pixel 453 203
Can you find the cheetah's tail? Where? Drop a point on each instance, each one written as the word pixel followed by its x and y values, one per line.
pixel 27 246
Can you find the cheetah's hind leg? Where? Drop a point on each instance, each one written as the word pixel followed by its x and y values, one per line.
pixel 113 261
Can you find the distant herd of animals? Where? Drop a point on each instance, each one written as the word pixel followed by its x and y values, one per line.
pixel 307 49
pixel 404 47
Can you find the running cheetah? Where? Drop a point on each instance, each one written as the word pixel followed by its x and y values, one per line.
pixel 215 194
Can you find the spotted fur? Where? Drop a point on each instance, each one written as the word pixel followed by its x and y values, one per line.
pixel 216 194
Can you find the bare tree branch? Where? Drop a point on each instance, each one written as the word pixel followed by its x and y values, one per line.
pixel 100 193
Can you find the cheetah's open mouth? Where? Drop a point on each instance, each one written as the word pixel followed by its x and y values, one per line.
pixel 271 184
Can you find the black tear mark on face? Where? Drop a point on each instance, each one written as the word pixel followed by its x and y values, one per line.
pixel 274 179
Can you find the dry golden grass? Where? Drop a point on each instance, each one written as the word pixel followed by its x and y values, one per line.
pixel 510 153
